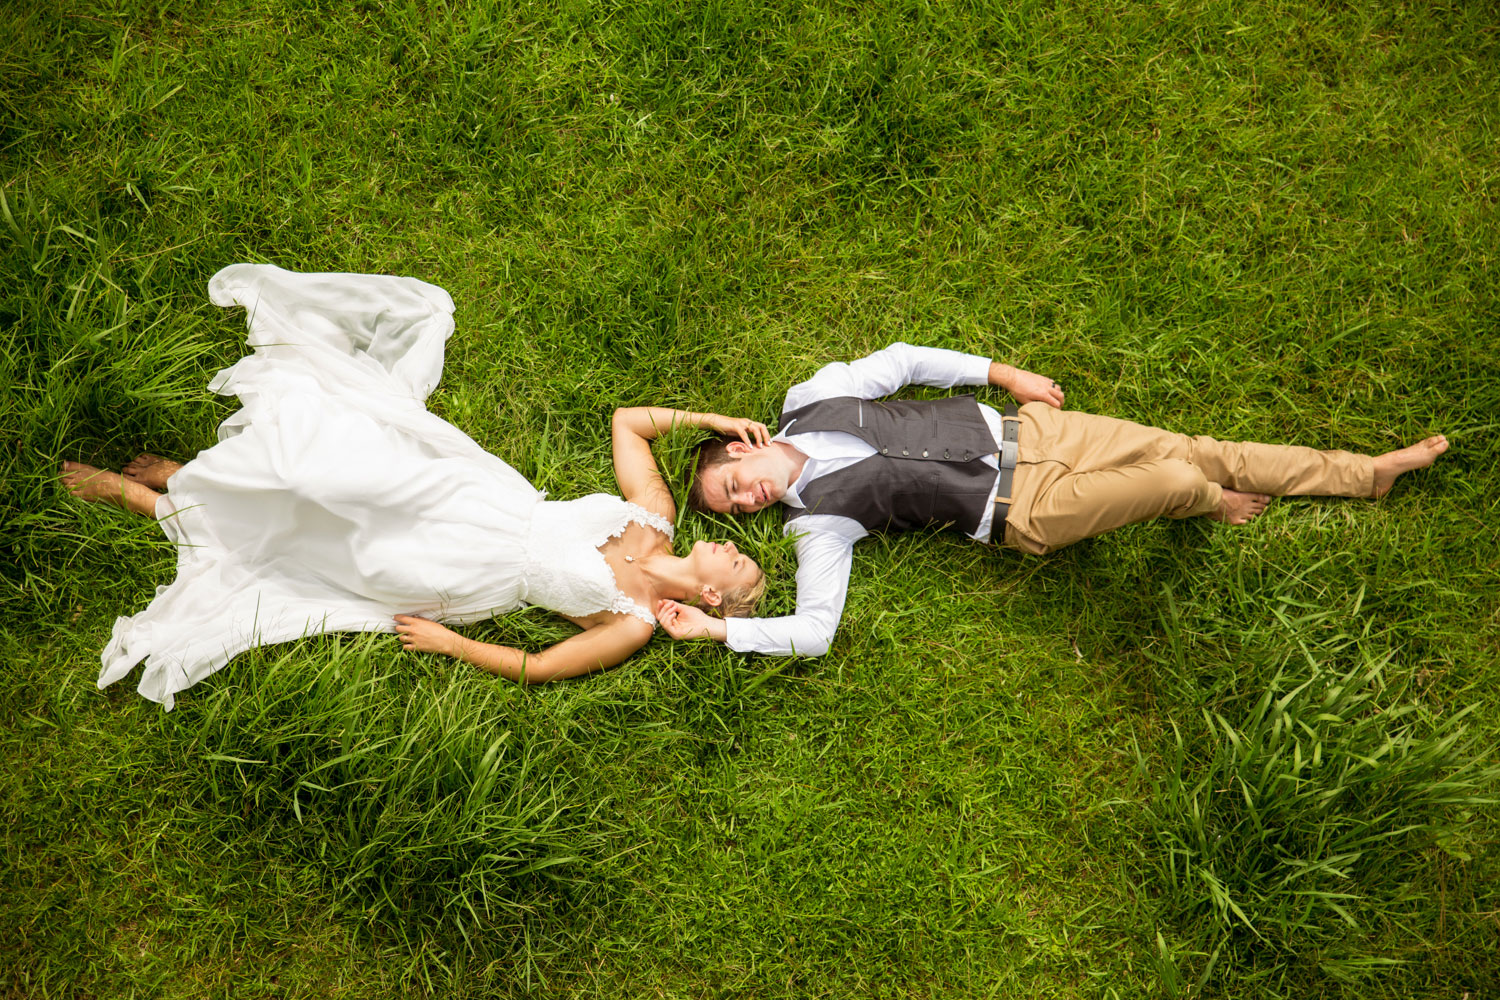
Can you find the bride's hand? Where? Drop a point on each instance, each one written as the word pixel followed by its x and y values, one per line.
pixel 419 635
pixel 683 621
pixel 752 432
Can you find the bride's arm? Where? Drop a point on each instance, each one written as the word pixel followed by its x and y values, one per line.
pixel 592 649
pixel 634 428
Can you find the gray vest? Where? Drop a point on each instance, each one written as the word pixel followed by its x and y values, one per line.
pixel 927 468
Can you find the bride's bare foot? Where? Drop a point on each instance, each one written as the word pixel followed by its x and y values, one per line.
pixel 151 470
pixel 88 483
pixel 1240 508
pixel 1417 456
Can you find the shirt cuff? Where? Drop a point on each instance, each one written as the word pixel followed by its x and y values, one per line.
pixel 976 370
pixel 732 628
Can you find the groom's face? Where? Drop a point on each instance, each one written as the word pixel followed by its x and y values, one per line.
pixel 754 479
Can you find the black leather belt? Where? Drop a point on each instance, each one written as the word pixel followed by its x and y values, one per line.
pixel 1008 453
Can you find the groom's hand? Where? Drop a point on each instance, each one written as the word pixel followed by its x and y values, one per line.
pixel 683 621
pixel 1027 387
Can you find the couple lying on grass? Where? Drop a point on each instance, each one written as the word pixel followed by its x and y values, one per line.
pixel 334 501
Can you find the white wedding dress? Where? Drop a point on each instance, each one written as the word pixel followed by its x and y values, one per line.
pixel 334 501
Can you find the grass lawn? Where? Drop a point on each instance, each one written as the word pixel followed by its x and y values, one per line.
pixel 1180 760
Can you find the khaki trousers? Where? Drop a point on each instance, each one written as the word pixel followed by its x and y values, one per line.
pixel 1079 475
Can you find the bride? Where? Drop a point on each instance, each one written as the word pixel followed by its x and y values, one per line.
pixel 334 501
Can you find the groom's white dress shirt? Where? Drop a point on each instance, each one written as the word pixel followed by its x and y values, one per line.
pixel 825 542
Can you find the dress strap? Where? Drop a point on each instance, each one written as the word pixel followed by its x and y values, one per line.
pixel 624 605
pixel 650 519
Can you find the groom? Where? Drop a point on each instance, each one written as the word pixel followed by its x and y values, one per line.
pixel 845 464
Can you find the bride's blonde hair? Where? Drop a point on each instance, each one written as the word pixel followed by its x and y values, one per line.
pixel 740 602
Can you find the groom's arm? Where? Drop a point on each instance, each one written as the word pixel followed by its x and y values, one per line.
pixel 899 365
pixel 825 556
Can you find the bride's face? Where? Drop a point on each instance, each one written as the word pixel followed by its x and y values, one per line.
pixel 722 566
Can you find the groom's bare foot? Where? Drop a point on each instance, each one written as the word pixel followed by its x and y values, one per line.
pixel 1417 456
pixel 151 470
pixel 1240 508
pixel 88 483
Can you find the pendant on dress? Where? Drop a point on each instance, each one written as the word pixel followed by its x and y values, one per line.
pixel 630 558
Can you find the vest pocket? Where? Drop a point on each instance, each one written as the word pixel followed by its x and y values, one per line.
pixel 914 503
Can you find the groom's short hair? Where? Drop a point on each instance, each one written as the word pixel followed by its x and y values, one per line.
pixel 712 453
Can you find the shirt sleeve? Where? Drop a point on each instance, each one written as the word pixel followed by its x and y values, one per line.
pixel 886 371
pixel 825 555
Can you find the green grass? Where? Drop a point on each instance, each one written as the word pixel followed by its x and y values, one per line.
pixel 1070 777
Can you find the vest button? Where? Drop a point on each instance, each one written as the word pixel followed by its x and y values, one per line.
pixel 885 451
pixel 945 452
pixel 924 453
pixel 905 452
pixel 966 456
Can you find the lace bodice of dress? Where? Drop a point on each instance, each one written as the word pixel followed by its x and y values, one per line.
pixel 566 571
